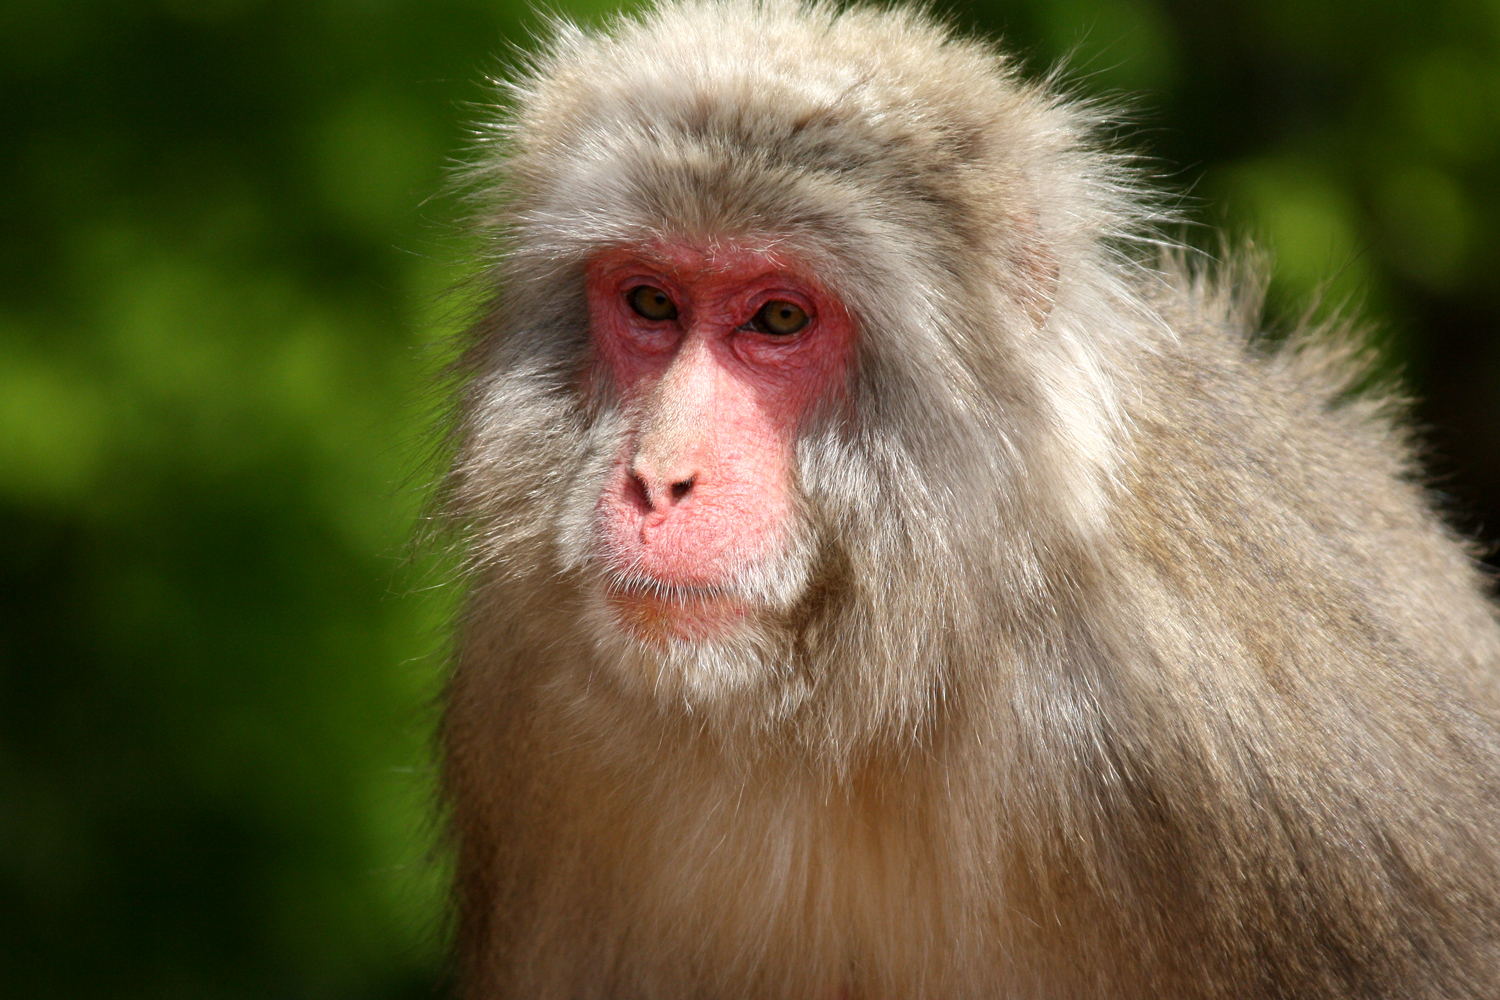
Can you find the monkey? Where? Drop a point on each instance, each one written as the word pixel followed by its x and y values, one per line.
pixel 891 574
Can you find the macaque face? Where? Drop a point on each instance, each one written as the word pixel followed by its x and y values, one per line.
pixel 717 356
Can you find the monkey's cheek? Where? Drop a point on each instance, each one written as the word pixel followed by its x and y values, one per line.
pixel 659 621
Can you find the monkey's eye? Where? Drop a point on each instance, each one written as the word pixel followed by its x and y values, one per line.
pixel 652 303
pixel 781 319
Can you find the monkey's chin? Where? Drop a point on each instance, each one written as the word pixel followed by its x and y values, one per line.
pixel 682 616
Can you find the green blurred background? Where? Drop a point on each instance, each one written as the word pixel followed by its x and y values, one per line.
pixel 224 243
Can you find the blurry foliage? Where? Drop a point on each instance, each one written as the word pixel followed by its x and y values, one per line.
pixel 223 246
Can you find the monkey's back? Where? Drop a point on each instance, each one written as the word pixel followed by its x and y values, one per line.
pixel 1308 660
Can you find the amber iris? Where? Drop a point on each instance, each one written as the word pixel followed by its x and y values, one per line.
pixel 780 319
pixel 651 302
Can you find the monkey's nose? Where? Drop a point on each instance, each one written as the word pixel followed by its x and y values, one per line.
pixel 657 494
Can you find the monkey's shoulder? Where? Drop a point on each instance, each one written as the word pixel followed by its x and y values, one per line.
pixel 1278 470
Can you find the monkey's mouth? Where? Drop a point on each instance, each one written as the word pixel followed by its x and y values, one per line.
pixel 660 612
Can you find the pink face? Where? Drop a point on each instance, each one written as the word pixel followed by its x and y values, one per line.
pixel 718 355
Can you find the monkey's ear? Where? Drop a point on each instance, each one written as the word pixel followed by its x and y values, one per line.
pixel 1036 291
pixel 1028 265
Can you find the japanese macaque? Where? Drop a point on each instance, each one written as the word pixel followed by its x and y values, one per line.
pixel 892 578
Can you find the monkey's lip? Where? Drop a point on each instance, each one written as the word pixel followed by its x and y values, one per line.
pixel 657 611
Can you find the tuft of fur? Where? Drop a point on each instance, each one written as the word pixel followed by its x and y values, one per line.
pixel 1117 653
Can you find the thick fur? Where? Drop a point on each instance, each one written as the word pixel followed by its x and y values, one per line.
pixel 1116 654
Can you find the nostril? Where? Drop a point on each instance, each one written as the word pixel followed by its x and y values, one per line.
pixel 680 490
pixel 637 494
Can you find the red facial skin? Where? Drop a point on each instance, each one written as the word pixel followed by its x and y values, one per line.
pixel 702 488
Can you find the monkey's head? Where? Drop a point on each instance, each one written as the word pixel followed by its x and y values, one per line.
pixel 787 329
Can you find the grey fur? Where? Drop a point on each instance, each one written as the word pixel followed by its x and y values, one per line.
pixel 1116 654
